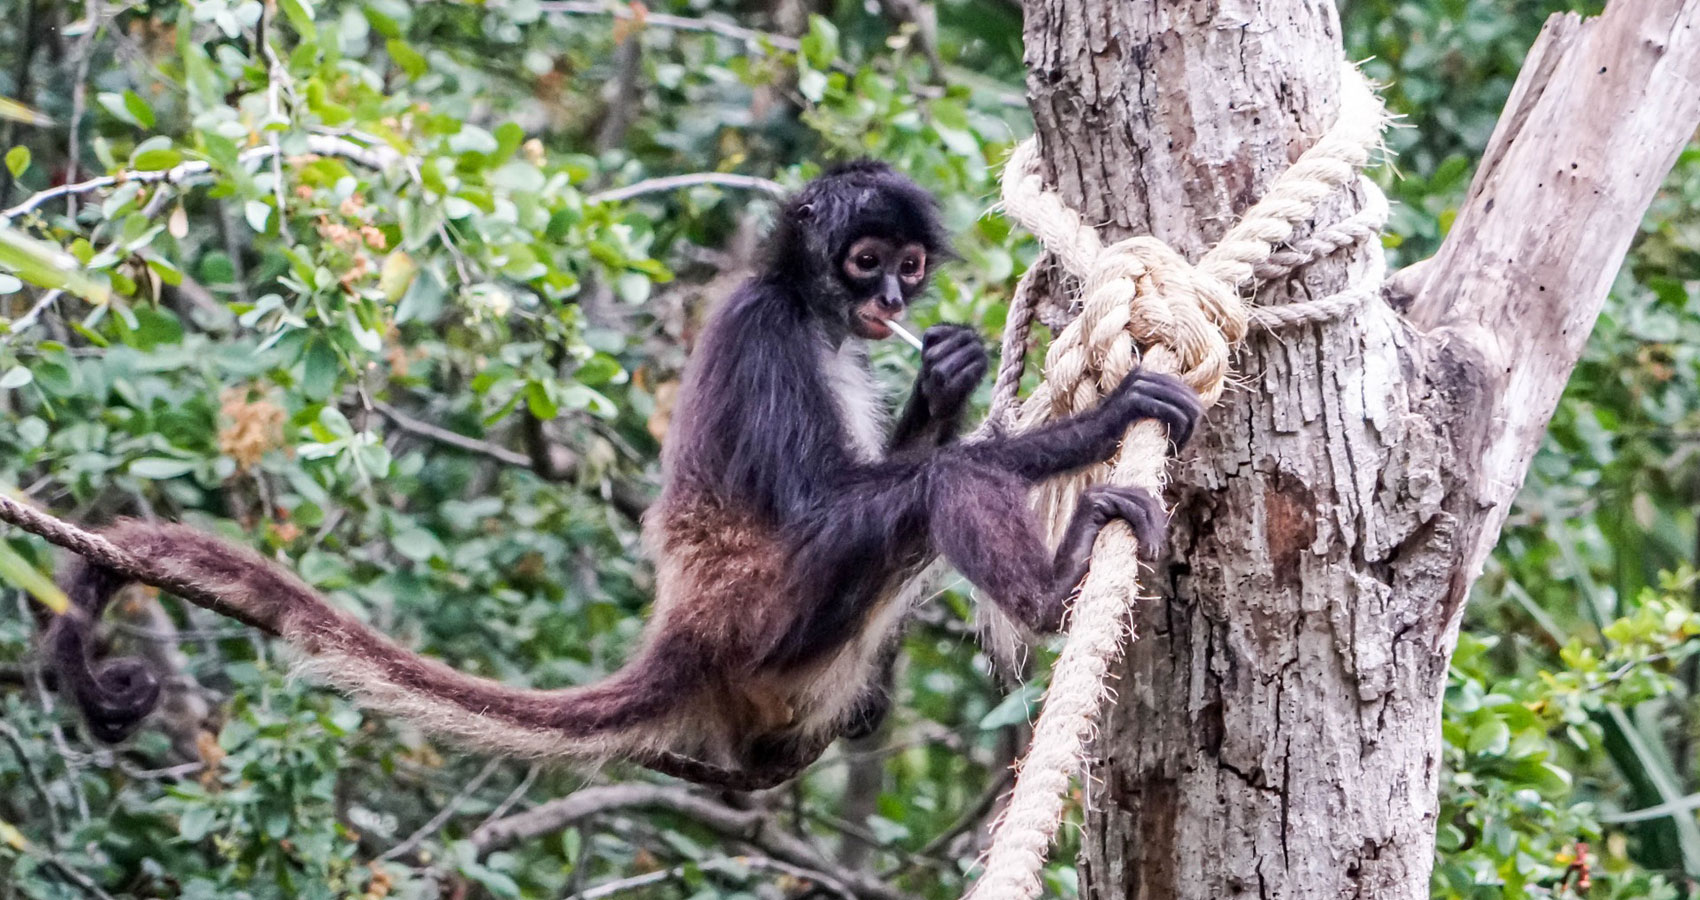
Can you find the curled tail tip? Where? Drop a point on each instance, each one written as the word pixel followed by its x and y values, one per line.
pixel 115 696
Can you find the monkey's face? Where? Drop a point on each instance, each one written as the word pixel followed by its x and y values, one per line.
pixel 881 276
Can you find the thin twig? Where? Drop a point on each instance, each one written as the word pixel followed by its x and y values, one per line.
pixel 763 41
pixel 821 879
pixel 28 319
pixel 38 684
pixel 751 38
pixel 183 635
pixel 168 773
pixel 622 95
pixel 85 883
pixel 675 182
pixel 455 439
pixel 277 81
pixel 514 796
pixel 752 826
pixel 971 816
pixel 436 822
pixel 378 158
pixel 628 499
pixel 34 778
pixel 79 99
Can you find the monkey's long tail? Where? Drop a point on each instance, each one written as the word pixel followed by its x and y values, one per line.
pixel 593 722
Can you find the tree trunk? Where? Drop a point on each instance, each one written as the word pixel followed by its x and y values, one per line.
pixel 1276 730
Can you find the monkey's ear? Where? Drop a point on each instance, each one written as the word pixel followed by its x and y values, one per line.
pixel 804 212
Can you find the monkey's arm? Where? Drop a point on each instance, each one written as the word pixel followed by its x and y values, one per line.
pixel 953 361
pixel 1088 437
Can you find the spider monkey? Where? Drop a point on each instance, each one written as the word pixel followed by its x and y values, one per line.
pixel 787 522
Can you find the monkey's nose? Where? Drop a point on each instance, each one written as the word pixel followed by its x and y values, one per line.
pixel 891 303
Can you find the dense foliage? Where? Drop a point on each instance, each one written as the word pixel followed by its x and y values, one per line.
pixel 366 290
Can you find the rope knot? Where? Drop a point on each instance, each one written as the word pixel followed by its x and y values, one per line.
pixel 1142 301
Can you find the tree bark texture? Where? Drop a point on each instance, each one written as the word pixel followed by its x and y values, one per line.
pixel 1276 731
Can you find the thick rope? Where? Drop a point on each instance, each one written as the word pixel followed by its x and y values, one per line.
pixel 1329 308
pixel 1362 226
pixel 1012 357
pixel 1144 305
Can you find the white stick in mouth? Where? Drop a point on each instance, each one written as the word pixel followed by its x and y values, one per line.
pixel 903 333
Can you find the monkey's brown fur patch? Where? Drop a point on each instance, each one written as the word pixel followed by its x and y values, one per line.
pixel 719 576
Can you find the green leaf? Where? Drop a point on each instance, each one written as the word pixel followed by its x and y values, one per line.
pixel 537 400
pixel 320 370
pixel 159 467
pixel 396 275
pixel 258 214
pixel 335 423
pixel 319 101
pixel 1015 708
pixel 820 45
pixel 16 377
pixel 418 545
pixel 155 153
pixel 300 15
pixel 17 160
pixel 812 84
pixel 17 571
pixel 165 269
pixel 368 339
pixel 45 265
pixel 472 139
pixel 197 822
pixel 497 883
pixel 17 112
pixel 33 432
pixel 157 160
pixel 407 58
pixel 139 109
pixel 1491 737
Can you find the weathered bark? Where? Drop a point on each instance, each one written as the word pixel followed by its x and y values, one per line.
pixel 1277 725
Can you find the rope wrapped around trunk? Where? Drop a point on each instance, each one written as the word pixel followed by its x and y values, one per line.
pixel 1144 304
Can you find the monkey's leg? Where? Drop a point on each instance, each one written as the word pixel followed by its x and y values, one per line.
pixel 772 762
pixel 872 708
pixel 982 525
pixel 1092 436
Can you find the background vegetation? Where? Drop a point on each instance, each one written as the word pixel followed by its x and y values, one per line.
pixel 366 288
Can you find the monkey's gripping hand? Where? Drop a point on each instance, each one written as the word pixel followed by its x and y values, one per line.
pixel 1154 395
pixel 953 361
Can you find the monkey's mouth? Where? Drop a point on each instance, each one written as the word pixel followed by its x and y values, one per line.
pixel 870 321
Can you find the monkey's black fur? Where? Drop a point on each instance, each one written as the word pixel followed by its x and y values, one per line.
pixel 780 538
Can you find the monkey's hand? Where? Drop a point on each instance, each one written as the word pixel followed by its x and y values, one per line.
pixel 1151 395
pixel 953 360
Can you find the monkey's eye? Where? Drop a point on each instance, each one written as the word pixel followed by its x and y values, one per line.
pixel 866 257
pixel 910 267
